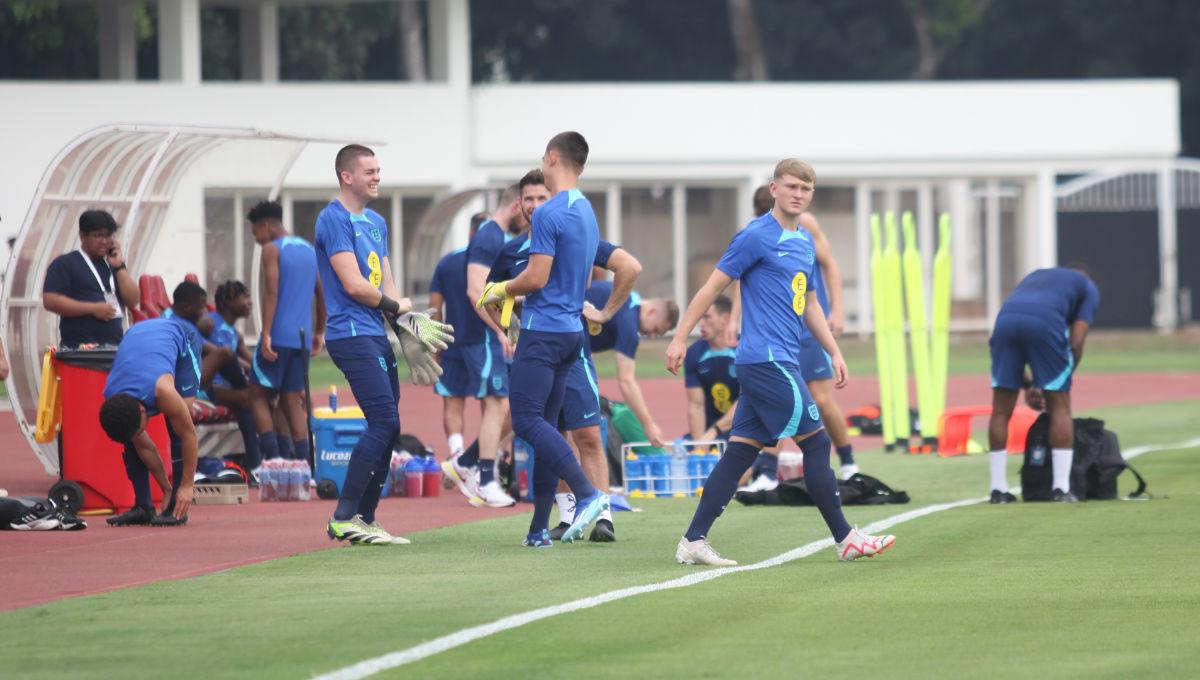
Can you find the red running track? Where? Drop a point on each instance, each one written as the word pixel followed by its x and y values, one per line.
pixel 45 566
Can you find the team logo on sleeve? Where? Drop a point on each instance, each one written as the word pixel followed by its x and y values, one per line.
pixel 376 273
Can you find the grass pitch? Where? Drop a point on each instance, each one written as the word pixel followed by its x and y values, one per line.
pixel 1094 589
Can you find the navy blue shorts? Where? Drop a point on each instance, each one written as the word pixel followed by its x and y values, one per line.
pixel 581 401
pixel 815 363
pixel 1019 340
pixel 774 404
pixel 187 374
pixel 285 374
pixel 487 371
pixel 456 379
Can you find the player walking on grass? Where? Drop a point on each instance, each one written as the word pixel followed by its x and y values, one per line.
pixel 290 331
pixel 352 259
pixel 773 257
pixel 815 364
pixel 1043 324
pixel 563 245
pixel 157 369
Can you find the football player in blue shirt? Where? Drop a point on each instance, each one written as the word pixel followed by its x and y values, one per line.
pixel 563 242
pixel 1043 324
pixel 290 330
pixel 484 347
pixel 508 264
pixel 449 302
pixel 157 369
pixel 774 259
pixel 815 364
pixel 361 299
pixel 710 376
pixel 233 302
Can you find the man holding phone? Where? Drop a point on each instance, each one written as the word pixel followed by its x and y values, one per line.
pixel 88 288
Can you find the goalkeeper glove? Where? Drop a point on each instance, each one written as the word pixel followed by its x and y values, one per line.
pixel 495 294
pixel 433 335
pixel 422 369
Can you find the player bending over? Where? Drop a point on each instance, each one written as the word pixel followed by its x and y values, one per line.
pixel 1043 324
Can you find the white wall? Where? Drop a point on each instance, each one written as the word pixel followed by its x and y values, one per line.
pixel 836 122
pixel 456 136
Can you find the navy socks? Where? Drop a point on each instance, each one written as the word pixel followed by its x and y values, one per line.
pixel 846 454
pixel 487 472
pixel 821 483
pixel 139 476
pixel 722 483
pixel 268 445
pixel 300 448
pixel 470 457
pixel 768 465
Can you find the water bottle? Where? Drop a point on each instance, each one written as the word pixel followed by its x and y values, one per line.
pixel 679 467
pixel 275 479
pixel 333 398
pixel 396 475
pixel 695 470
pixel 265 492
pixel 414 478
pixel 432 479
pixel 305 480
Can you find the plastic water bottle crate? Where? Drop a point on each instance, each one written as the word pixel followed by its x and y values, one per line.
pixel 650 472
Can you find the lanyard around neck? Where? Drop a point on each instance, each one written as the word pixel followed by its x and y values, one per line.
pixel 112 284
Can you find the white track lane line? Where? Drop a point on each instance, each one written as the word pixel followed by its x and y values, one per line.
pixel 378 664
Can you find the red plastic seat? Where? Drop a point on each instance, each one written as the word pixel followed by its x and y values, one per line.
pixel 955 428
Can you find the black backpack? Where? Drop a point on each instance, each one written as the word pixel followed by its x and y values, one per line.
pixel 1095 464
pixel 860 489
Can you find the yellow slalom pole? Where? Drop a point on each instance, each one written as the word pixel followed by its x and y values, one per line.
pixel 939 343
pixel 878 304
pixel 894 290
pixel 918 325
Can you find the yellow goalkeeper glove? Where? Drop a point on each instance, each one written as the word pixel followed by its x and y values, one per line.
pixel 495 294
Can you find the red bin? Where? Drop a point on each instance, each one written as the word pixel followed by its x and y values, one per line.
pixel 86 455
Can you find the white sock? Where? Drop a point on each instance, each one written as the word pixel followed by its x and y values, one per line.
pixel 998 462
pixel 1061 460
pixel 456 443
pixel 566 506
pixel 607 514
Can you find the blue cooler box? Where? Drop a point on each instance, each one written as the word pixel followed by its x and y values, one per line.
pixel 337 433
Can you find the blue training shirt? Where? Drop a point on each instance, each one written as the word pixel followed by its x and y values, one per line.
pixel 713 371
pixel 564 228
pixel 623 331
pixel 1061 296
pixel 775 266
pixel 514 257
pixel 149 350
pixel 489 240
pixel 223 335
pixel 366 236
pixel 297 283
pixel 450 279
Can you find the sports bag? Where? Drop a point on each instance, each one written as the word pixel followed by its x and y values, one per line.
pixel 860 489
pixel 1096 462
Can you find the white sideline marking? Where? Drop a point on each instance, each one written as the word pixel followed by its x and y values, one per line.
pixel 385 662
